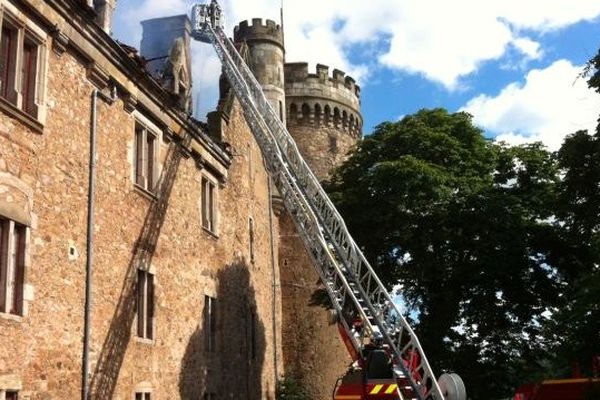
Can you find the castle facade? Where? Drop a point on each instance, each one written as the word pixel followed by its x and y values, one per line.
pixel 142 243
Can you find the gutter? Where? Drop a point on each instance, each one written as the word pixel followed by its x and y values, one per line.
pixel 85 373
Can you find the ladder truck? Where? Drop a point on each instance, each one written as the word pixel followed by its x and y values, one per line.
pixel 389 362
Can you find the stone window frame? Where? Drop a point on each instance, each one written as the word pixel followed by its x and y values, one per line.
pixel 13 250
pixel 4 394
pixel 27 32
pixel 142 334
pixel 209 204
pixel 151 128
pixel 143 390
pixel 143 395
pixel 10 383
pixel 27 219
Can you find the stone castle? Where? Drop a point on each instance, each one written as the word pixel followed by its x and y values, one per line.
pixel 165 263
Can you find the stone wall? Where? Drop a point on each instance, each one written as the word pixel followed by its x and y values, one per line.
pixel 323 148
pixel 324 119
pixel 41 352
pixel 313 350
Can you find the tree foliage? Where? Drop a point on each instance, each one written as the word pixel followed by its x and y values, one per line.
pixel 289 388
pixel 496 248
pixel 463 225
pixel 575 329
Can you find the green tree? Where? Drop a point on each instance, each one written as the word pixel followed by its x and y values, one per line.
pixel 574 331
pixel 465 227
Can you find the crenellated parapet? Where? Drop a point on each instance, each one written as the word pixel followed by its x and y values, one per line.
pixel 322 100
pixel 259 32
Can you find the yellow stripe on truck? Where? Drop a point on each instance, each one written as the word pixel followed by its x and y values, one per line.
pixel 391 389
pixel 376 389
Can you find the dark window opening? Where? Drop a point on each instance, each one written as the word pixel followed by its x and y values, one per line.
pixel 293 111
pixel 209 318
pixel 142 396
pixel 318 114
pixel 251 238
pixel 8 62
pixel 145 305
pixel 327 115
pixel 253 335
pixel 12 395
pixel 305 111
pixel 333 144
pixel 281 110
pixel 29 73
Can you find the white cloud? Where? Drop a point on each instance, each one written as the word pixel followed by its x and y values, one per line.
pixel 442 40
pixel 552 103
pixel 528 47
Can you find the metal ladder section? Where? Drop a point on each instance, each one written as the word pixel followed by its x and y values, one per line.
pixel 350 281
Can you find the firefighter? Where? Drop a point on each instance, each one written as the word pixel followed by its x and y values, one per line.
pixel 378 364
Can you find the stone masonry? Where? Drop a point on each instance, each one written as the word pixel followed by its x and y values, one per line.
pixel 43 185
pixel 249 264
pixel 323 116
pixel 325 121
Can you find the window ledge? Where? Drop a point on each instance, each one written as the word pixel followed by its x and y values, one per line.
pixel 144 341
pixel 210 233
pixel 11 317
pixel 21 116
pixel 144 192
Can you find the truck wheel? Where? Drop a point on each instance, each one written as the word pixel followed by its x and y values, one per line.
pixel 453 387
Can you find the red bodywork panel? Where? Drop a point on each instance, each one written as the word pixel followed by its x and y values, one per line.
pixel 373 390
pixel 355 386
pixel 566 389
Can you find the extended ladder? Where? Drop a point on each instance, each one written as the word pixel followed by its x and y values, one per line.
pixel 349 279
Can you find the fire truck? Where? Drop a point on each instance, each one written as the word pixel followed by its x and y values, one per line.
pixel 389 362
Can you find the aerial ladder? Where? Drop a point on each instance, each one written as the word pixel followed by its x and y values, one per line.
pixel 369 321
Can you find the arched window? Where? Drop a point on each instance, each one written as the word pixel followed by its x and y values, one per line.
pixel 336 117
pixel 305 111
pixel 293 111
pixel 318 114
pixel 344 120
pixel 327 115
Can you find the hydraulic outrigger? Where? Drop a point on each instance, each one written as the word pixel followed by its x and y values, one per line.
pixel 389 361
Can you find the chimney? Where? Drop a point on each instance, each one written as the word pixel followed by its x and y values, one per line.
pixel 104 13
pixel 166 48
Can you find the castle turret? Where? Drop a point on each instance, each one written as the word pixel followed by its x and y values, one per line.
pixel 266 58
pixel 323 115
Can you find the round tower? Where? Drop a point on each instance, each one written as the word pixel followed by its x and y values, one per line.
pixel 323 115
pixel 266 58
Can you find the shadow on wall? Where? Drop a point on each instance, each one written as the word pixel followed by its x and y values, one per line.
pixel 112 353
pixel 233 370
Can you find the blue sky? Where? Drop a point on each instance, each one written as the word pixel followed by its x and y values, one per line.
pixel 513 64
